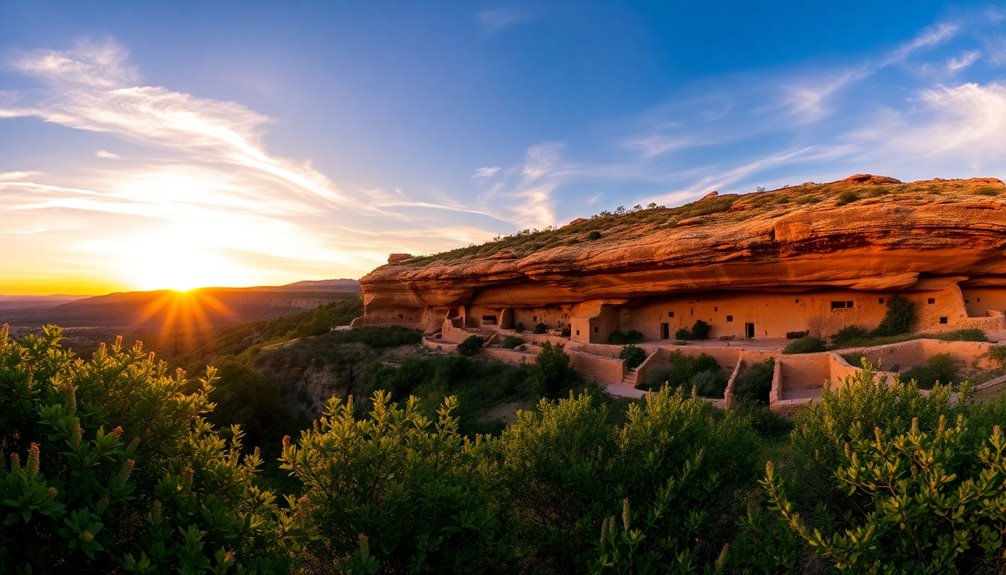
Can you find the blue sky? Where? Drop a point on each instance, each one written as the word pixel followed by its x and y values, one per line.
pixel 173 144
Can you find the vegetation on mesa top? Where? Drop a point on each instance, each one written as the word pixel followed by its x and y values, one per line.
pixel 630 223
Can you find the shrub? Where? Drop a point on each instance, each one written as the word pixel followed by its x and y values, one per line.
pixel 709 383
pixel 847 197
pixel 683 334
pixel 680 370
pixel 550 375
pixel 632 355
pixel 594 235
pixel 392 489
pixel 997 353
pixel 565 331
pixel 940 368
pixel 471 345
pixel 967 334
pixel 797 334
pixel 617 337
pixel 511 341
pixel 540 328
pixel 809 344
pixel 899 317
pixel 519 328
pixel 701 330
pixel 892 481
pixel 755 382
pixel 849 333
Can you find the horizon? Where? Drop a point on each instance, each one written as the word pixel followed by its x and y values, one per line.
pixel 181 145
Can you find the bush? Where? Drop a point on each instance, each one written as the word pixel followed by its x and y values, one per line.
pixel 632 355
pixel 511 341
pixel 755 382
pixel 940 368
pixel 519 328
pixel 540 328
pixel 565 331
pixel 899 318
pixel 797 334
pixel 809 344
pixel 967 334
pixel 701 330
pixel 847 197
pixel 680 370
pixel 848 334
pixel 997 354
pixel 550 375
pixel 392 489
pixel 890 480
pixel 683 334
pixel 709 383
pixel 471 345
pixel 112 467
pixel 594 235
pixel 629 337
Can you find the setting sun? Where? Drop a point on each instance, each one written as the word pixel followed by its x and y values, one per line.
pixel 175 263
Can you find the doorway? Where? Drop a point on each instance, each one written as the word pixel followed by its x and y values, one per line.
pixel 749 330
pixel 665 331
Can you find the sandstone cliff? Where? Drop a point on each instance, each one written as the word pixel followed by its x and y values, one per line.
pixel 864 233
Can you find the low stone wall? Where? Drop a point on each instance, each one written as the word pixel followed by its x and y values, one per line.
pixel 603 369
pixel 511 355
pixel 906 354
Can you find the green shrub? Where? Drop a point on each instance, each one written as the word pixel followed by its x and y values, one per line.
pixel 709 383
pixel 594 235
pixel 550 375
pixel 940 368
pixel 809 344
pixel 683 334
pixel 987 191
pixel 519 328
pixel 997 353
pixel 373 336
pixel 632 355
pixel 899 317
pixel 847 197
pixel 540 328
pixel 889 480
pixel 110 466
pixel 511 341
pixel 471 345
pixel 680 370
pixel 617 337
pixel 391 490
pixel 701 330
pixel 755 382
pixel 848 334
pixel 967 334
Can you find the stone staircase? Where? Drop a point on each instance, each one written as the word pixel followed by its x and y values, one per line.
pixel 631 377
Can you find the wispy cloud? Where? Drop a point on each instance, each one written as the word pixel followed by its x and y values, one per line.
pixel 486 172
pixel 496 19
pixel 106 155
pixel 957 64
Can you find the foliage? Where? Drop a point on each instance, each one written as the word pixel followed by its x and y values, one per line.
pixel 681 371
pixel 846 197
pixel 709 383
pixel 997 353
pixel 701 330
pixel 940 367
pixel 849 333
pixel 902 482
pixel 899 317
pixel 755 382
pixel 594 235
pixel 632 355
pixel 540 328
pixel 808 344
pixel 245 397
pixel 519 328
pixel 112 467
pixel 618 337
pixel 550 375
pixel 511 341
pixel 683 335
pixel 564 471
pixel 373 336
pixel 967 334
pixel 394 492
pixel 471 345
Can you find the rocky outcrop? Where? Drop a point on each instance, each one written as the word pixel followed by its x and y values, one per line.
pixel 864 233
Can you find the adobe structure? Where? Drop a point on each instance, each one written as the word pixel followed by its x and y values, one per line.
pixel 814 258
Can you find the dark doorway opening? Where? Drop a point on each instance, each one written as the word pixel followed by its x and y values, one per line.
pixel 665 331
pixel 749 330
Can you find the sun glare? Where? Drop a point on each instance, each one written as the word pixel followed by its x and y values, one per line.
pixel 177 265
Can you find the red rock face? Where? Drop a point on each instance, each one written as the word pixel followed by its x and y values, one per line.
pixel 864 233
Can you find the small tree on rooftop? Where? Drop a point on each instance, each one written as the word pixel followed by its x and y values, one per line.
pixel 900 317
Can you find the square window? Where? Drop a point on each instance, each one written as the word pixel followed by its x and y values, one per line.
pixel 595 329
pixel 943 319
pixel 880 300
pixel 716 309
pixel 848 304
pixel 967 301
pixel 797 300
pixel 931 300
pixel 670 314
pixel 730 318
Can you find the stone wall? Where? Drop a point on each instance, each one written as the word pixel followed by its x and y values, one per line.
pixel 603 369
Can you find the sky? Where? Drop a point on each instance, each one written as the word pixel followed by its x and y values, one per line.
pixel 148 145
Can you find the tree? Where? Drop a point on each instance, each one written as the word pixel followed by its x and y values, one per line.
pixel 899 318
pixel 550 374
pixel 471 345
